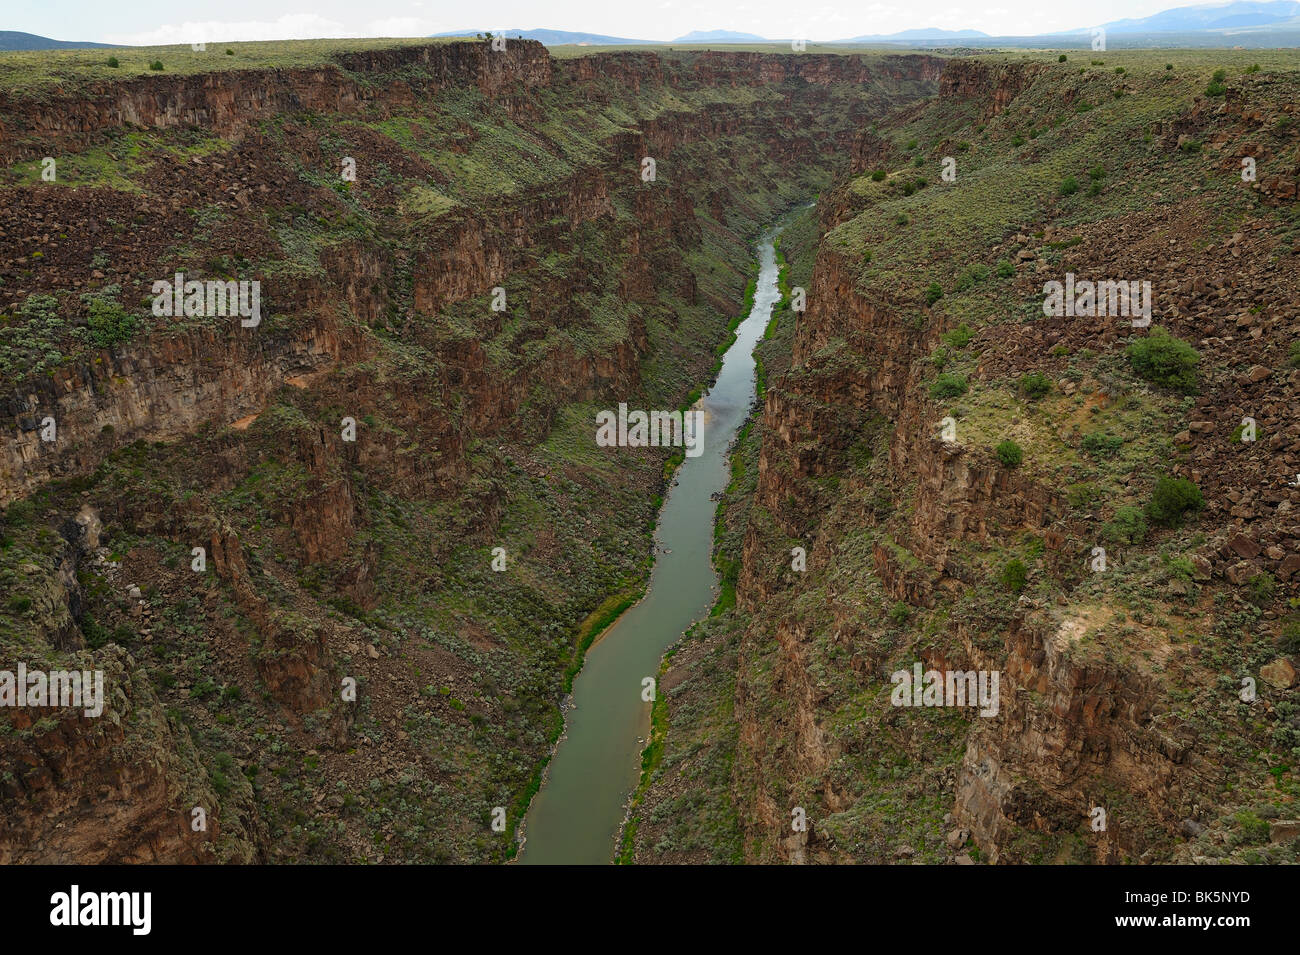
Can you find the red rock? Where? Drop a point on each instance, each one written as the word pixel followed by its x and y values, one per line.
pixel 1244 547
pixel 1289 566
pixel 1241 572
pixel 1280 673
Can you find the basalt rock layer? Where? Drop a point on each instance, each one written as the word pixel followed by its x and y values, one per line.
pixel 342 551
pixel 978 487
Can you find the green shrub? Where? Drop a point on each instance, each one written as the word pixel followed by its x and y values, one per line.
pixel 156 65
pixel 1290 642
pixel 959 337
pixel 1169 66
pixel 19 513
pixel 220 782
pixel 948 385
pixel 972 276
pixel 34 344
pixel 1070 186
pixel 900 612
pixel 1097 172
pixel 1293 354
pixel 20 604
pixel 1035 385
pixel 1017 140
pixel 1005 269
pixel 1254 830
pixel 908 188
pixel 1062 58
pixel 1082 495
pixel 1165 360
pixel 878 175
pixel 1253 68
pixel 933 293
pixel 1178 566
pixel 901 219
pixel 112 63
pixel 1216 86
pixel 230 52
pixel 1172 499
pixel 1009 454
pixel 107 322
pixel 1100 444
pixel 1014 575
pixel 1262 588
pixel 1127 526
pixel 96 635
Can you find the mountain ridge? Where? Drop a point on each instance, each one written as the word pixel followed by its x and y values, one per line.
pixel 12 40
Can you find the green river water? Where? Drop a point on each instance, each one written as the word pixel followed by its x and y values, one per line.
pixel 575 817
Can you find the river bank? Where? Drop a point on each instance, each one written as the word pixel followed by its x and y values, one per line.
pixel 578 812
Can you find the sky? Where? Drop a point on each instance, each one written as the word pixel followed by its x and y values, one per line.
pixel 151 22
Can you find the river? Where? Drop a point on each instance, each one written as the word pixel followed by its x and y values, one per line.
pixel 575 816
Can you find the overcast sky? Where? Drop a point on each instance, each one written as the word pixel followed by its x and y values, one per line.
pixel 166 21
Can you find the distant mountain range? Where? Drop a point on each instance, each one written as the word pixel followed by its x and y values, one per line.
pixel 929 34
pixel 1254 23
pixel 1239 22
pixel 561 37
pixel 1211 17
pixel 16 40
pixel 719 36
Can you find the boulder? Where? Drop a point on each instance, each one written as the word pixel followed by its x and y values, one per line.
pixel 1283 830
pixel 1280 673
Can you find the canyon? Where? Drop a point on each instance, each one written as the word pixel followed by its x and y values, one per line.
pixel 370 560
pixel 1120 691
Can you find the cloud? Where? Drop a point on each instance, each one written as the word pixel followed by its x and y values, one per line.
pixel 401 26
pixel 291 26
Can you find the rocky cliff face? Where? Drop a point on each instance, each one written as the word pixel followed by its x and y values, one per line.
pixel 231 103
pixel 347 466
pixel 164 389
pixel 1122 711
